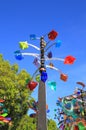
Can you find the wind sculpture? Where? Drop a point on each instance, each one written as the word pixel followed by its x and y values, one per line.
pixel 40 74
pixel 47 57
pixel 71 111
pixel 3 114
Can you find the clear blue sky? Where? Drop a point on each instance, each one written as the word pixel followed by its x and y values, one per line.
pixel 20 18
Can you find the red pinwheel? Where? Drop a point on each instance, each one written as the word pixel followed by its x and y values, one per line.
pixel 69 60
pixel 52 35
pixel 1 100
pixel 76 127
pixel 63 77
pixel 1 118
pixel 32 85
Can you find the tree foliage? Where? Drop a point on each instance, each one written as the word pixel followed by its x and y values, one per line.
pixel 52 125
pixel 27 123
pixel 13 89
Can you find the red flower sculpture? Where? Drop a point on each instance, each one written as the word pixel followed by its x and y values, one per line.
pixel 52 35
pixel 69 60
pixel 63 77
pixel 32 85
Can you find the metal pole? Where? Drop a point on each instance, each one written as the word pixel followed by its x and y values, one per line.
pixel 42 123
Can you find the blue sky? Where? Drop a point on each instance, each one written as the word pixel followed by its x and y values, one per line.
pixel 20 18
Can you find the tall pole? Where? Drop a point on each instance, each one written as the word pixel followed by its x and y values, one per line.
pixel 42 123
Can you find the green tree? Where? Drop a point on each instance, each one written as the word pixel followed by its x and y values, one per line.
pixel 27 123
pixel 13 89
pixel 52 125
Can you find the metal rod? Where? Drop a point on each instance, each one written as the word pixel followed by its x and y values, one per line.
pixel 50 46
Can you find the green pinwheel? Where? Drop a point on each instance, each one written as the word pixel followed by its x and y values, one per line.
pixel 23 45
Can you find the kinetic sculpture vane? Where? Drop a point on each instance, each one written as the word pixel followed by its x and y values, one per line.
pixel 71 112
pixel 39 60
pixel 3 114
